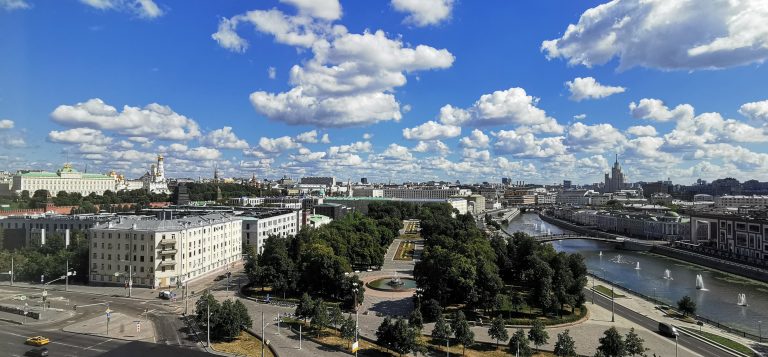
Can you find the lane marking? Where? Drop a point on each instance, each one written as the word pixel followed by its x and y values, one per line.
pixel 105 341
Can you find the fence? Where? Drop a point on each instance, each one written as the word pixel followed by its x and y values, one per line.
pixel 703 319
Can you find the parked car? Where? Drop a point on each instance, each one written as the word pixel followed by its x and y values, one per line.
pixel 668 330
pixel 165 294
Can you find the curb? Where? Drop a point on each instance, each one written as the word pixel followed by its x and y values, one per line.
pixel 711 343
pixel 82 292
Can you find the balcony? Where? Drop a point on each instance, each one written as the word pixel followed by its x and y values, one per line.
pixel 168 241
pixel 169 251
pixel 167 263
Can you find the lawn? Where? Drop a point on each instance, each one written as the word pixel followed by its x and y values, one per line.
pixel 245 345
pixel 607 292
pixel 405 251
pixel 722 341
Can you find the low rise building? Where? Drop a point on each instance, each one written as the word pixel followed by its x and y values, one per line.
pixel 318 220
pixel 66 179
pixel 740 200
pixel 163 253
pixel 731 234
pixel 261 224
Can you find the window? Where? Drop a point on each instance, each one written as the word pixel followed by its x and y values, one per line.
pixel 141 258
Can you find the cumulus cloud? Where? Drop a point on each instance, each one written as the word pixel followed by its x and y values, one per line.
pixel 642 130
pixel 358 146
pixel 424 12
pixel 142 8
pixel 435 146
pixel 325 139
pixel 202 153
pixel 579 117
pixel 6 124
pixel 132 156
pixel 431 130
pixel 475 154
pixel 654 109
pixel 508 107
pixel 527 145
pixel 350 79
pixel 657 34
pixel 755 110
pixel 309 137
pixel 593 138
pixel 710 128
pixel 477 139
pixel 589 88
pixel 271 72
pixel 154 120
pixel 397 152
pixel 14 4
pixel 277 145
pixel 321 9
pixel 225 138
pixel 79 136
pixel 306 155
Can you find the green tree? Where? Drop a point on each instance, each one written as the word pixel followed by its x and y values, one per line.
pixel 498 331
pixel 415 319
pixel 348 329
pixel 431 309
pixel 517 300
pixel 335 316
pixel 320 319
pixel 537 334
pixel 306 307
pixel 565 345
pixel 463 333
pixel 442 329
pixel 687 306
pixel 518 344
pixel 633 344
pixel 612 344
pixel 252 270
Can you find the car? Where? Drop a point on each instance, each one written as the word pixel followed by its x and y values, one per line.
pixel 37 341
pixel 220 277
pixel 165 294
pixel 668 330
pixel 37 352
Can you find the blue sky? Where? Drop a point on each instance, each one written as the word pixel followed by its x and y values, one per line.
pixel 396 89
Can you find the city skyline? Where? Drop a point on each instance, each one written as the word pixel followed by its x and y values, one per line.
pixel 385 90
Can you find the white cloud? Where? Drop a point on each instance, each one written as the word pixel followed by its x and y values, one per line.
pixel 475 154
pixel 526 145
pixel 397 152
pixel 321 9
pixel 133 156
pixel 594 163
pixel 477 139
pixel 350 79
pixel 87 148
pixel 435 146
pixel 175 147
pixel 710 128
pixel 271 72
pixel 588 88
pixel 79 136
pixel 431 130
pixel 306 155
pixel 508 107
pixel 225 138
pixel 309 137
pixel 278 144
pixel 642 130
pixel 579 117
pixel 13 142
pixel 755 110
pixel 154 120
pixel 367 136
pixel 593 138
pixel 358 146
pixel 6 124
pixel 654 109
pixel 14 4
pixel 325 139
pixel 424 12
pixel 142 8
pixel 658 34
pixel 202 153
pixel 125 144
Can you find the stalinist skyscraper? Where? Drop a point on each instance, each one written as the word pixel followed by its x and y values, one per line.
pixel 614 182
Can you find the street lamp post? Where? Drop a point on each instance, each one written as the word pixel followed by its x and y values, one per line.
pixel 593 290
pixel 419 294
pixel 130 279
pixel 357 317
pixel 760 331
pixel 208 323
pixel 675 345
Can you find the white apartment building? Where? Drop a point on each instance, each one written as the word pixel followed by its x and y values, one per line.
pixel 258 226
pixel 163 253
pixel 246 201
pixel 408 193
pixel 66 179
pixel 738 201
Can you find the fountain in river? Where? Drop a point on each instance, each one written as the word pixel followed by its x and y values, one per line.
pixel 637 267
pixel 742 299
pixel 699 282
pixel 601 253
pixel 667 274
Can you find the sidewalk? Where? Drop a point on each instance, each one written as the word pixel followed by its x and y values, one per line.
pixel 120 326
pixel 648 308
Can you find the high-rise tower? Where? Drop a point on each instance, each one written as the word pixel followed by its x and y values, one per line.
pixel 614 182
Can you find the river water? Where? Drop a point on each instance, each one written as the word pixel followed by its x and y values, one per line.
pixel 717 301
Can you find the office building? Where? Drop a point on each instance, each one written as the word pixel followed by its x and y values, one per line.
pixel 325 181
pixel 258 225
pixel 740 200
pixel 614 182
pixel 163 253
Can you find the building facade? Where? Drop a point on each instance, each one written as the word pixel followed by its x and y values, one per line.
pixel 325 181
pixel 163 253
pixel 258 226
pixel 615 182
pixel 731 234
pixel 740 200
pixel 66 179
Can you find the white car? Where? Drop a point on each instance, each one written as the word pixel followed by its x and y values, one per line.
pixel 165 294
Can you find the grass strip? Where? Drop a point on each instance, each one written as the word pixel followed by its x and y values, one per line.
pixel 727 342
pixel 607 292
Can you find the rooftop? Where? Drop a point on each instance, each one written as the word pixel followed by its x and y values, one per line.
pixel 157 225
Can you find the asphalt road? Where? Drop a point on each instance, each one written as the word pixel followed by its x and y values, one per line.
pixel 688 342
pixel 12 338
